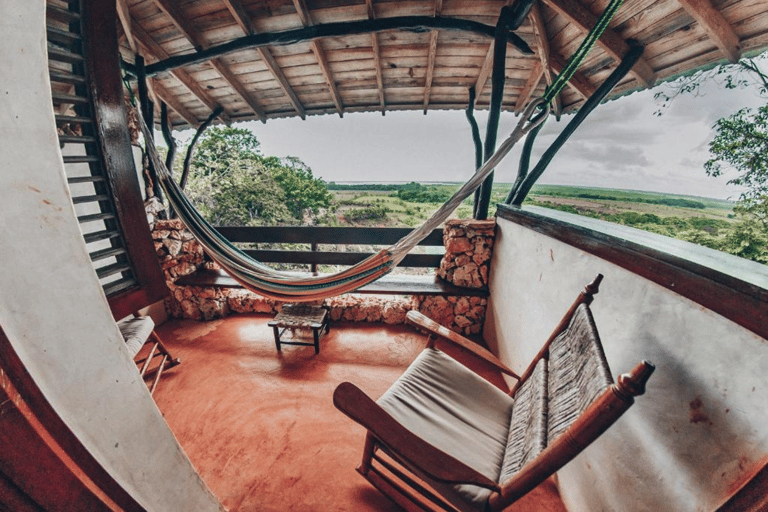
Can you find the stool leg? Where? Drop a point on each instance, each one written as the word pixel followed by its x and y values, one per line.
pixel 316 332
pixel 277 337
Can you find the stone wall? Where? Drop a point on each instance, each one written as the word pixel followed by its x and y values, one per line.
pixel 469 245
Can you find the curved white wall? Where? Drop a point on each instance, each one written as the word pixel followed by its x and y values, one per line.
pixel 52 308
pixel 702 425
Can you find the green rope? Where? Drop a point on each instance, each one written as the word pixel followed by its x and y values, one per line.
pixel 586 46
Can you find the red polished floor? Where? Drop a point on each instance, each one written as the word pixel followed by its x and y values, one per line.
pixel 260 425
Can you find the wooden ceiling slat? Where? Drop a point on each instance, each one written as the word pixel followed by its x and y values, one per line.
pixel 171 100
pixel 157 52
pixel 376 58
pixel 715 25
pixel 386 70
pixel 244 21
pixel 174 14
pixel 542 43
pixel 610 41
pixel 306 20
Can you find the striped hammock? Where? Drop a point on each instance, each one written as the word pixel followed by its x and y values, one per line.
pixel 290 287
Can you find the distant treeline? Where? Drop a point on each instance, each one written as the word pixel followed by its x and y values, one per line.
pixel 412 192
pixel 388 187
pixel 667 201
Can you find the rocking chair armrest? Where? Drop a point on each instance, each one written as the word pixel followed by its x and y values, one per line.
pixel 459 341
pixel 410 448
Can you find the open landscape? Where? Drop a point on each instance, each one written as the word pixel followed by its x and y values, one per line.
pixel 705 221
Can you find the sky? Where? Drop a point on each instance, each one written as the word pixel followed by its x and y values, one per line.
pixel 622 144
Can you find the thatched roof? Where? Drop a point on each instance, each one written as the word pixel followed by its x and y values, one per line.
pixel 415 70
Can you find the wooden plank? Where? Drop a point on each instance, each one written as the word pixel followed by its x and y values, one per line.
pixel 542 42
pixel 430 68
pixel 125 21
pixel 173 103
pixel 323 235
pixel 610 41
pixel 715 25
pixel 155 50
pixel 530 86
pixel 172 11
pixel 241 17
pixel 322 61
pixel 237 86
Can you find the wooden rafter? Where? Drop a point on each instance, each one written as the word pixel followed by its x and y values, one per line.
pixel 611 42
pixel 178 19
pixel 171 10
pixel 578 82
pixel 125 21
pixel 431 57
pixel 377 58
pixel 157 52
pixel 542 43
pixel 233 82
pixel 322 60
pixel 430 68
pixel 715 25
pixel 172 102
pixel 241 17
pixel 530 85
pixel 485 73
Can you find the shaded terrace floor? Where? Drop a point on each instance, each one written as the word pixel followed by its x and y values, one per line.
pixel 260 426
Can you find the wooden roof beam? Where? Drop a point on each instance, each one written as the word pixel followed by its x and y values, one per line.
pixel 530 85
pixel 243 20
pixel 485 73
pixel 322 61
pixel 125 21
pixel 157 51
pixel 542 43
pixel 377 58
pixel 716 26
pixel 172 11
pixel 578 82
pixel 233 82
pixel 172 102
pixel 170 8
pixel 611 42
pixel 431 56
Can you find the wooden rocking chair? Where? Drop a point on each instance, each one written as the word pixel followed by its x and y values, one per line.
pixel 443 438
pixel 138 331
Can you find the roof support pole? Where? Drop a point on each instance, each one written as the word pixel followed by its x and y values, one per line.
pixel 497 94
pixel 470 112
pixel 148 112
pixel 525 183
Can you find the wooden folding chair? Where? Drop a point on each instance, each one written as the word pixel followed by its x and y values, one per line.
pixel 444 438
pixel 139 331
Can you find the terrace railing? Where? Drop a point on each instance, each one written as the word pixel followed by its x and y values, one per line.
pixel 315 237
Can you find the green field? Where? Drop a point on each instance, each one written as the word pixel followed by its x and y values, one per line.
pixel 704 221
pixel 358 205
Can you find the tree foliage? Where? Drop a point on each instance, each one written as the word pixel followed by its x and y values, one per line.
pixel 741 144
pixel 232 183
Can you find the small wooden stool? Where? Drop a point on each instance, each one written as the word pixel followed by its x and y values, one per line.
pixel 301 316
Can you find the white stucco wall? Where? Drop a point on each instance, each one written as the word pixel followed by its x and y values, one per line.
pixel 52 308
pixel 702 425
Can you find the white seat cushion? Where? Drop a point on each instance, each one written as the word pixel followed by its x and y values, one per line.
pixel 136 332
pixel 458 412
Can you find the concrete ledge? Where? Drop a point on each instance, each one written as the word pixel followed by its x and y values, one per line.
pixel 387 285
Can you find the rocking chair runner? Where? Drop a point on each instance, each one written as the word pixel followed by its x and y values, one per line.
pixel 443 438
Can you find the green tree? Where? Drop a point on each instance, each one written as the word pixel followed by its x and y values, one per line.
pixel 232 183
pixel 302 190
pixel 741 144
